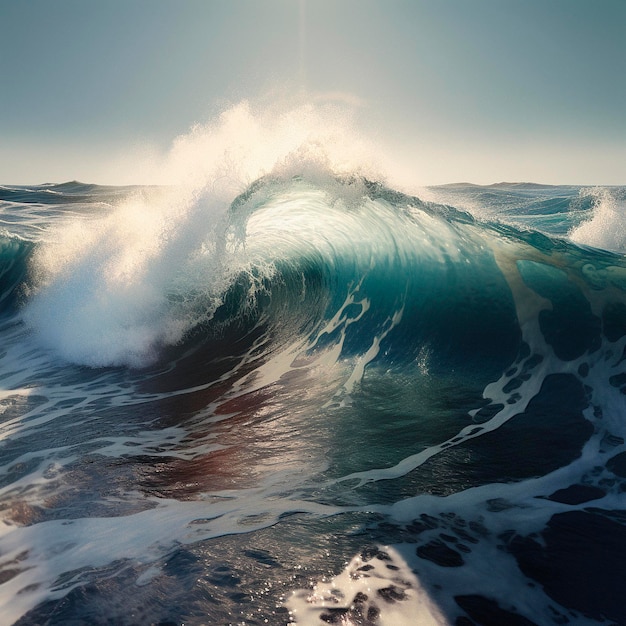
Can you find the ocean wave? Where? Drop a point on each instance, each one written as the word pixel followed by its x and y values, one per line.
pixel 285 385
pixel 289 251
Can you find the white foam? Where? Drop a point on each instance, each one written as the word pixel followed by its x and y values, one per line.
pixel 383 586
pixel 38 555
pixel 607 227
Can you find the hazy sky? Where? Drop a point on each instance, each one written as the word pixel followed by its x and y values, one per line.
pixel 476 90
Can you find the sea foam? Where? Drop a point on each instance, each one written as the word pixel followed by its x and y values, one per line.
pixel 607 227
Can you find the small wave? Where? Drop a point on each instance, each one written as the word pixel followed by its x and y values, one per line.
pixel 14 253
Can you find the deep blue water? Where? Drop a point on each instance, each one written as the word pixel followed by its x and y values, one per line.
pixel 324 401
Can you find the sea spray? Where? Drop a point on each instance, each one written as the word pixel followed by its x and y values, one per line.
pixel 114 289
pixel 606 227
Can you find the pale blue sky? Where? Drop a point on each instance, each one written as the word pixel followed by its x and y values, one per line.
pixel 478 90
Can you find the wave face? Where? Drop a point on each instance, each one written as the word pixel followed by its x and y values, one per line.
pixel 320 401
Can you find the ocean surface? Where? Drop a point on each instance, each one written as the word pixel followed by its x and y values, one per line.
pixel 319 401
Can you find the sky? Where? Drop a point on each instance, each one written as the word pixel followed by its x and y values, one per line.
pixel 450 90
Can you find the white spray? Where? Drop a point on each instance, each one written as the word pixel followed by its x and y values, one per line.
pixel 112 290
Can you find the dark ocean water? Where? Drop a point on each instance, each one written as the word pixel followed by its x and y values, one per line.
pixel 324 401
